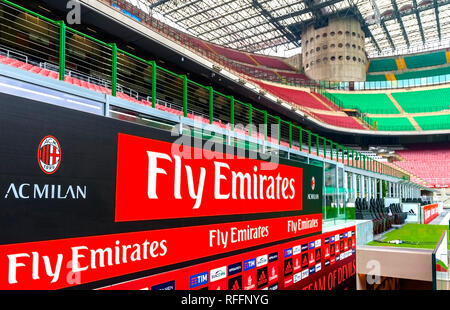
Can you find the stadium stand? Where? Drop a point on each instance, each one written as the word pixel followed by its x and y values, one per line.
pixel 433 122
pixel 270 75
pixel 232 54
pixel 390 123
pixel 367 103
pixel 379 65
pixel 424 100
pixel 315 104
pixel 271 62
pixel 400 110
pixel 339 120
pixel 299 97
pixel 429 163
pixel 376 77
pixel 418 74
pixel 274 69
pixel 425 60
pixel 419 66
pixel 257 67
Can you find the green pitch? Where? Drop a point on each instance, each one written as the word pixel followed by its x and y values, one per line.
pixel 417 235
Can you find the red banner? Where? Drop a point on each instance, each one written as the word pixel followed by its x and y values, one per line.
pixel 430 212
pixel 66 262
pixel 161 180
pixel 273 268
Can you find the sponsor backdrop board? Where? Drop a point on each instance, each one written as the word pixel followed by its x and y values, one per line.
pixel 271 268
pixel 89 201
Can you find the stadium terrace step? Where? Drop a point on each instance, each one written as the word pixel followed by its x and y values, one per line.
pixel 298 97
pixel 428 165
pixel 271 62
pixel 340 121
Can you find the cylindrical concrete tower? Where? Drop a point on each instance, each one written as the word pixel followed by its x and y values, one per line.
pixel 335 52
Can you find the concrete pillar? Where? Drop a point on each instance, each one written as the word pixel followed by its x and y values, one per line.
pixel 375 188
pixel 363 187
pixel 380 192
pixel 335 52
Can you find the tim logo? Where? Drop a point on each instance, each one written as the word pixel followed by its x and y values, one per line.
pixel 49 155
pixel 249 264
pixel 198 279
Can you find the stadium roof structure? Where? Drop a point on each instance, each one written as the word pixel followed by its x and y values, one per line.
pixel 258 25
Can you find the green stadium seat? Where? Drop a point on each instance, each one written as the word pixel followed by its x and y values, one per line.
pixel 379 65
pixel 424 101
pixel 392 123
pixel 368 103
pixel 422 73
pixel 434 122
pixel 375 77
pixel 426 60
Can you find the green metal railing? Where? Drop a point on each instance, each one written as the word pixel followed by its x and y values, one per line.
pixel 123 72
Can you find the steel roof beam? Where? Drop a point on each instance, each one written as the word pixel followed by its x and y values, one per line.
pixel 420 9
pixel 252 36
pixel 386 33
pixel 182 7
pixel 308 9
pixel 157 3
pixel 438 23
pixel 364 26
pixel 224 15
pixel 228 37
pixel 314 11
pixel 423 8
pixel 276 24
pixel 277 19
pixel 419 22
pixel 204 11
pixel 258 48
pixel 400 21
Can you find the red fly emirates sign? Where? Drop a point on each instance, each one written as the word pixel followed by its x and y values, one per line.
pixel 61 263
pixel 430 212
pixel 156 182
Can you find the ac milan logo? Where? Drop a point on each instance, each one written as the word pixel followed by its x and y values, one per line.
pixel 313 183
pixel 49 155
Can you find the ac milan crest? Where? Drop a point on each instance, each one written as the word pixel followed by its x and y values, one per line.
pixel 313 183
pixel 49 155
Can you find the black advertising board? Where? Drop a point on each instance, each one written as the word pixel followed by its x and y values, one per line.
pixel 104 198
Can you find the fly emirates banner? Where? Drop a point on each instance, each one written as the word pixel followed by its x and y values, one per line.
pixel 156 181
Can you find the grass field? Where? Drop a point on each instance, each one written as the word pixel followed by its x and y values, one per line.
pixel 420 235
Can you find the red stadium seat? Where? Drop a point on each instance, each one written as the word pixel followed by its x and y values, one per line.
pixel 340 121
pixel 427 163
